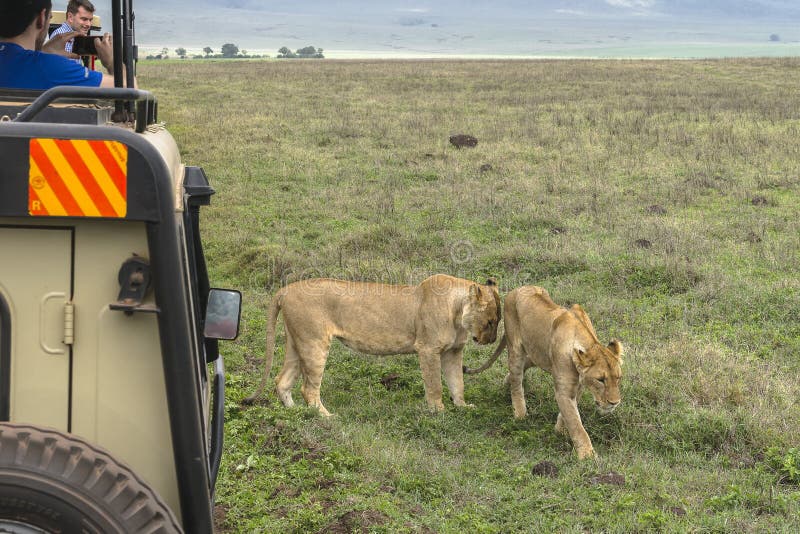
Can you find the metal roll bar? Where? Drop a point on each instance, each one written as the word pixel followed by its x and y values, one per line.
pixel 145 101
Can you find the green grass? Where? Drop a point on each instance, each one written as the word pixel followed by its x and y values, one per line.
pixel 661 195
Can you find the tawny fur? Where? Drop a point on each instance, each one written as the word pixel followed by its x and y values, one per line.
pixel 563 342
pixel 435 319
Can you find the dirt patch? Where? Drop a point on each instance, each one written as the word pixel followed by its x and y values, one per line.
pixel 325 504
pixel 220 513
pixel 545 469
pixel 759 200
pixel 643 243
pixel 463 140
pixel 281 512
pixel 656 209
pixel 356 521
pixel 753 237
pixel 310 451
pixel 325 483
pixel 286 491
pixel 611 478
pixel 391 381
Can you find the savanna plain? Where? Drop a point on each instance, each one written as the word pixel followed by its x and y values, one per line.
pixel 661 195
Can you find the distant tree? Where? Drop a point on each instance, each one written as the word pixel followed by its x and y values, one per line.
pixel 208 51
pixel 306 52
pixel 309 51
pixel 165 53
pixel 774 37
pixel 244 52
pixel 229 50
pixel 181 52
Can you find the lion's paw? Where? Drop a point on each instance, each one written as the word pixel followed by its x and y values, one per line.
pixel 436 406
pixel 560 427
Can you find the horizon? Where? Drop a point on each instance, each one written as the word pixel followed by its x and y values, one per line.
pixel 501 29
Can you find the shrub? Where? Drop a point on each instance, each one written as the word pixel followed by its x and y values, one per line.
pixel 787 465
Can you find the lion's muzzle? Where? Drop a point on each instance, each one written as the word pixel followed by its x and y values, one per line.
pixel 484 339
pixel 607 408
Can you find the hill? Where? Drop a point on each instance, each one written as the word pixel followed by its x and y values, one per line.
pixel 504 27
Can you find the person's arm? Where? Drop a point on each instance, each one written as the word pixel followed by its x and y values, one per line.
pixel 105 53
pixel 57 43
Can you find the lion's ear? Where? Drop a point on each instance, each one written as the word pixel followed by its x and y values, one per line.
pixel 580 358
pixel 492 284
pixel 475 292
pixel 616 349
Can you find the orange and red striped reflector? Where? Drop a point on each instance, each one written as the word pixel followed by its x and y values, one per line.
pixel 78 178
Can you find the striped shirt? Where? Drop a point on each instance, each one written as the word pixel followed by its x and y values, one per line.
pixel 66 28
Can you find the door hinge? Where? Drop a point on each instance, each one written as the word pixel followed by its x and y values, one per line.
pixel 69 323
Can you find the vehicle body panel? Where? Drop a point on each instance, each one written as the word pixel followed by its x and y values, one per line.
pixel 136 384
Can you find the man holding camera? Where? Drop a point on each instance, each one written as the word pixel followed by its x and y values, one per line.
pixel 27 62
pixel 79 19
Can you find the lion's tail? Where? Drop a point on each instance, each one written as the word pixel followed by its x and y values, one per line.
pixel 272 320
pixel 490 361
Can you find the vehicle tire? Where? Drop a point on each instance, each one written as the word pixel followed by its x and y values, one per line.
pixel 54 482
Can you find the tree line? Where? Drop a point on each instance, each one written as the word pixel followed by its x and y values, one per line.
pixel 230 50
pixel 307 52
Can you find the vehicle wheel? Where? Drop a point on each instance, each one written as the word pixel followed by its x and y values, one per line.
pixel 54 482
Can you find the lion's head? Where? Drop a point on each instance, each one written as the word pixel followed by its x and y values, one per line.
pixel 481 315
pixel 600 371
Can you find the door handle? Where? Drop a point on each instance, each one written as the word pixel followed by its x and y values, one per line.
pixel 51 323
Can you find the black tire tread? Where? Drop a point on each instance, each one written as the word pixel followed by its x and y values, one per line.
pixel 69 459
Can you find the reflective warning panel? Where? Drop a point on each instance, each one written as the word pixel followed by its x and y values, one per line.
pixel 78 178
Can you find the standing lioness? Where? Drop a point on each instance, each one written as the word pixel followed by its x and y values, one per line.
pixel 434 319
pixel 562 342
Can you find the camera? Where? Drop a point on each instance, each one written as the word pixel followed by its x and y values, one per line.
pixel 83 45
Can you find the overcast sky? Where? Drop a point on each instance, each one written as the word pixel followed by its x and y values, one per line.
pixel 474 27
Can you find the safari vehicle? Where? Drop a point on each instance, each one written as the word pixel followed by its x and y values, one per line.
pixel 111 382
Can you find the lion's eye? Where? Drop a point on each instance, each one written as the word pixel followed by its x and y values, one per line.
pixel 602 380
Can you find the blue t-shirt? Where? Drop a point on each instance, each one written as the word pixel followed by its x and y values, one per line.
pixel 27 69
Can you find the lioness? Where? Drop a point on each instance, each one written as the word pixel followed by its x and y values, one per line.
pixel 434 319
pixel 562 342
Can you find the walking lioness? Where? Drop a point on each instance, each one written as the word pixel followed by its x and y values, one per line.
pixel 435 319
pixel 562 342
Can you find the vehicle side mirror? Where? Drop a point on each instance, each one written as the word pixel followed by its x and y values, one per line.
pixel 223 313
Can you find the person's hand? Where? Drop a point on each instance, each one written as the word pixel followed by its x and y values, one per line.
pixel 56 45
pixel 105 51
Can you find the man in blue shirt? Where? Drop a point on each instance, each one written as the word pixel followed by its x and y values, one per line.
pixel 26 62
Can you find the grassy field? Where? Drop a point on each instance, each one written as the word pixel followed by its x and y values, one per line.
pixel 661 195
